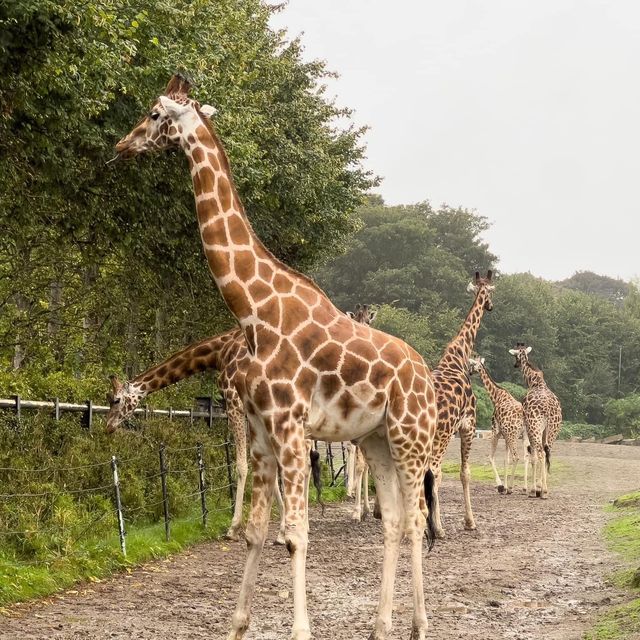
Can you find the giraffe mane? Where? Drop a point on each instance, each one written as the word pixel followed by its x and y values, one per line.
pixel 226 165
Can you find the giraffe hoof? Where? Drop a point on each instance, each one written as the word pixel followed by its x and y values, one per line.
pixel 356 517
pixel 538 494
pixel 232 535
pixel 470 526
pixel 509 492
pixel 377 514
pixel 280 541
pixel 500 488
pixel 543 496
pixel 418 633
pixel 439 533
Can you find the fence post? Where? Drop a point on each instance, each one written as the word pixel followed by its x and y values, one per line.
pixel 330 458
pixel 18 406
pixel 170 414
pixel 210 413
pixel 56 409
pixel 165 494
pixel 202 485
pixel 345 473
pixel 116 490
pixel 89 414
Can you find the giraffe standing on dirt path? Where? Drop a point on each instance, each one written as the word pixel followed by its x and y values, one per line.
pixel 225 353
pixel 358 469
pixel 507 422
pixel 312 372
pixel 456 401
pixel 542 418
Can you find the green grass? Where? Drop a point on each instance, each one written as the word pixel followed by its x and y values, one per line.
pixel 623 536
pixel 484 472
pixel 95 558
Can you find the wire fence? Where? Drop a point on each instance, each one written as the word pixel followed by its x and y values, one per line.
pixel 189 483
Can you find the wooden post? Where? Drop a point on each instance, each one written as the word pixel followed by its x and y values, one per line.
pixel 202 484
pixel 18 406
pixel 56 409
pixel 330 458
pixel 227 455
pixel 116 490
pixel 165 494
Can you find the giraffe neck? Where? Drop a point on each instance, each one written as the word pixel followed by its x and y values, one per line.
pixel 460 348
pixel 246 273
pixel 532 376
pixel 492 388
pixel 207 354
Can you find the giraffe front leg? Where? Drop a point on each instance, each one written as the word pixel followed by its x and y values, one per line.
pixel 507 461
pixel 351 469
pixel 280 502
pixel 293 461
pixel 495 436
pixel 466 439
pixel 264 472
pixel 237 423
pixel 378 455
pixel 527 459
pixel 513 448
pixel 359 475
pixel 439 529
pixel 366 507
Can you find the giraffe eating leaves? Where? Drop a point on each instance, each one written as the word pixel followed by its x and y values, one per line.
pixel 312 372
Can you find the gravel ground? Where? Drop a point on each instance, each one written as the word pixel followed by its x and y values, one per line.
pixel 533 570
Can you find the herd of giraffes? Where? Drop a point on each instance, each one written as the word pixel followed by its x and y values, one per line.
pixel 298 369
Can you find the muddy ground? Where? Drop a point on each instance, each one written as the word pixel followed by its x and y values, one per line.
pixel 533 570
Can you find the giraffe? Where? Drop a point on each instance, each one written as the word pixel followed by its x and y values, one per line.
pixel 312 371
pixel 507 421
pixel 225 353
pixel 358 470
pixel 542 418
pixel 456 401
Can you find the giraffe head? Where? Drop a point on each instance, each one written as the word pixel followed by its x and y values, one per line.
pixel 476 365
pixel 363 313
pixel 521 353
pixel 483 289
pixel 123 400
pixel 173 117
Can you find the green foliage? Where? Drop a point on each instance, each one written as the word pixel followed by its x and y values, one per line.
pixel 70 493
pixel 100 266
pixel 623 415
pixel 580 430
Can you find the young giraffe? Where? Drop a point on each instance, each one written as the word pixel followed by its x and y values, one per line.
pixel 542 418
pixel 224 353
pixel 456 401
pixel 312 371
pixel 507 422
pixel 358 470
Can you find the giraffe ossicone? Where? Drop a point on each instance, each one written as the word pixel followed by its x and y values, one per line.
pixel 312 372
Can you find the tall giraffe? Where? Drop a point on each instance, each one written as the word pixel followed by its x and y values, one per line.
pixel 225 353
pixel 456 401
pixel 312 371
pixel 358 469
pixel 507 422
pixel 542 418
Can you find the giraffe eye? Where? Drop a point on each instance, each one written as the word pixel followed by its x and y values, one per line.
pixel 155 115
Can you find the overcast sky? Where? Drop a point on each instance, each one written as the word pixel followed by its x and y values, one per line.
pixel 528 112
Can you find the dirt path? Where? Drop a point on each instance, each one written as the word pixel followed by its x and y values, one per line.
pixel 534 569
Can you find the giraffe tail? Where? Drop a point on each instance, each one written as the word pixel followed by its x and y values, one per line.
pixel 547 455
pixel 429 495
pixel 316 473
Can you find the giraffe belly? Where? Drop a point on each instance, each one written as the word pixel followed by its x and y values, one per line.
pixel 336 421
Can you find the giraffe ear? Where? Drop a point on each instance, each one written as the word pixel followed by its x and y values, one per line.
pixel 471 287
pixel 208 110
pixel 513 352
pixel 351 314
pixel 489 275
pixel 372 315
pixel 174 109
pixel 527 350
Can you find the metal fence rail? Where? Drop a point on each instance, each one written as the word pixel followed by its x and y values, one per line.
pixel 17 404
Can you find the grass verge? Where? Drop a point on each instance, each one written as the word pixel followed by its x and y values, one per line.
pixel 484 472
pixel 94 558
pixel 623 536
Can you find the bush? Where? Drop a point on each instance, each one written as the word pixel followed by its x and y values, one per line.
pixel 623 415
pixel 580 430
pixel 70 493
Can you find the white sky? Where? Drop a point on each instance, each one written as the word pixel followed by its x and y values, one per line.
pixel 528 111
